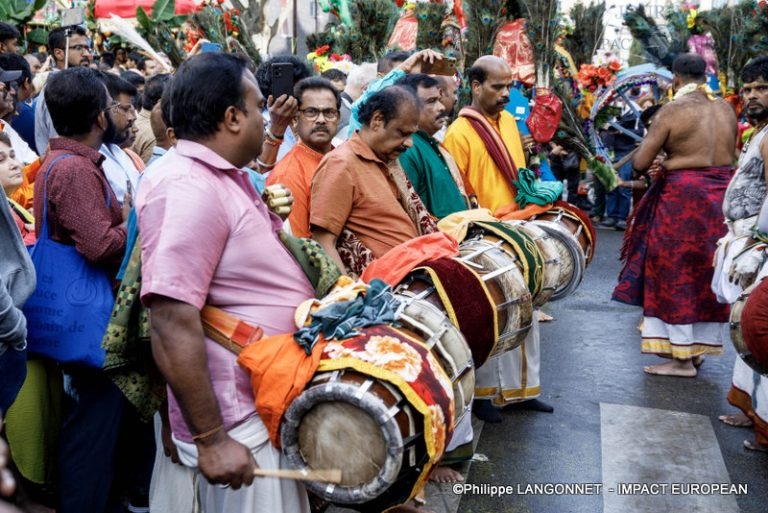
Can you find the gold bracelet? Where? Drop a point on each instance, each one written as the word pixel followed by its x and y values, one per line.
pixel 203 436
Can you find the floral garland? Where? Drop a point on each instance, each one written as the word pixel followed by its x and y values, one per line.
pixel 321 61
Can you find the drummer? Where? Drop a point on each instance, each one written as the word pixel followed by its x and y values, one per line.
pixel 362 204
pixel 429 166
pixel 744 199
pixel 472 140
pixel 196 194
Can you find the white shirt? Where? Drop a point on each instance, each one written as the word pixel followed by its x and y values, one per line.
pixel 119 170
pixel 24 153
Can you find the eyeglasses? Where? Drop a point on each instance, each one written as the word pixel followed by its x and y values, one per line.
pixel 81 48
pixel 312 113
pixel 127 108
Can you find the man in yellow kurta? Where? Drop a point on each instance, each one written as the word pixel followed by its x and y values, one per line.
pixel 491 76
pixel 488 150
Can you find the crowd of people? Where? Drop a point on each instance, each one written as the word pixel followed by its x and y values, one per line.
pixel 159 183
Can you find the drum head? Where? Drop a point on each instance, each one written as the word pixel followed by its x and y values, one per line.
pixel 550 256
pixel 363 426
pixel 580 227
pixel 572 260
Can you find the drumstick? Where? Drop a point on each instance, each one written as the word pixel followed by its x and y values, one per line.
pixel 326 476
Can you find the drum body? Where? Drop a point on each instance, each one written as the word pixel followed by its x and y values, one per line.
pixel 749 349
pixel 460 294
pixel 380 408
pixel 501 270
pixel 551 256
pixel 572 260
pixel 579 226
pixel 446 343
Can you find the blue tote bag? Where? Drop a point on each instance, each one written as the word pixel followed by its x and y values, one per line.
pixel 68 313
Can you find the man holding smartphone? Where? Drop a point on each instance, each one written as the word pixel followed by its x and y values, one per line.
pixel 315 125
pixel 280 107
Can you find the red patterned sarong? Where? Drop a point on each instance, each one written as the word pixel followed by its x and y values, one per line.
pixel 669 246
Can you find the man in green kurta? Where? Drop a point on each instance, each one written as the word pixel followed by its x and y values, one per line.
pixel 429 167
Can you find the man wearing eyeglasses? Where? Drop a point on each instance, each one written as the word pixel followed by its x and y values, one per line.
pixel 315 125
pixel 67 53
pixel 119 167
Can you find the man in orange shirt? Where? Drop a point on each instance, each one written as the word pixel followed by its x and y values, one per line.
pixel 359 187
pixel 315 125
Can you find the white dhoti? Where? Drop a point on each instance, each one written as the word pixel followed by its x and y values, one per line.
pixel 173 488
pixel 513 376
pixel 749 392
pixel 266 494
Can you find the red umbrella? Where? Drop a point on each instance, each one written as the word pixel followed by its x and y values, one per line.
pixel 127 8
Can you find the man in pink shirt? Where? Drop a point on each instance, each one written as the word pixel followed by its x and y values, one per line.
pixel 208 239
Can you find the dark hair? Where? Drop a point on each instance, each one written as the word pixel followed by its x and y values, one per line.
pixel 138 59
pixel 390 59
pixel 133 78
pixel 5 138
pixel 154 90
pixel 647 114
pixel 334 74
pixel 14 62
pixel 201 91
pixel 57 38
pixel 311 83
pixel 388 101
pixel 108 59
pixel 8 32
pixel 75 97
pixel 117 85
pixel 690 65
pixel 476 73
pixel 41 56
pixel 416 80
pixel 755 69
pixel 264 72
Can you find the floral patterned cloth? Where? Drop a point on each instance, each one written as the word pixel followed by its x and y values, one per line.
pixel 388 354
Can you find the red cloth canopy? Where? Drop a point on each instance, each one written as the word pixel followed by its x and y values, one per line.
pixel 127 8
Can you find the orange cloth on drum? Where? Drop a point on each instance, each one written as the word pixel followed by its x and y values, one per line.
pixel 396 263
pixel 514 212
pixel 280 371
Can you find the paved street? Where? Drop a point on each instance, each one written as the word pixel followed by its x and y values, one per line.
pixel 613 425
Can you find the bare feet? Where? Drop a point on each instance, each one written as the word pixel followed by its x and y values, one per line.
pixel 755 446
pixel 543 317
pixel 678 368
pixel 736 420
pixel 445 474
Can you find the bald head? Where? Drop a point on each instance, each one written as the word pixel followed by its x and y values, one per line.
pixel 490 79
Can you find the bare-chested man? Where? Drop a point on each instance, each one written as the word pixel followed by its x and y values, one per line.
pixel 668 263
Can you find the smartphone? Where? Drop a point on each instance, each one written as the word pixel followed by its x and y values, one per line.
pixel 445 66
pixel 207 46
pixel 72 17
pixel 282 79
